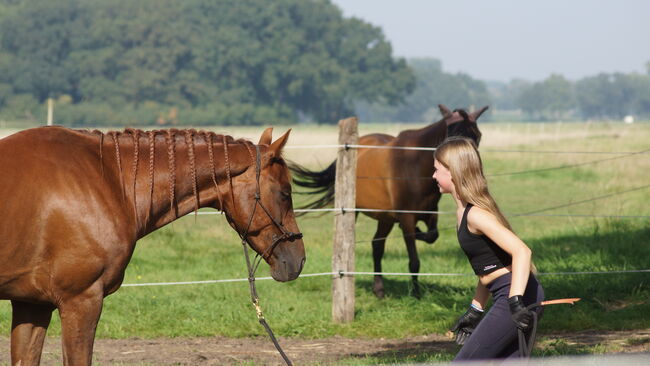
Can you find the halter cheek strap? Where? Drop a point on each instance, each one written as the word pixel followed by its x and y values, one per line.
pixel 277 239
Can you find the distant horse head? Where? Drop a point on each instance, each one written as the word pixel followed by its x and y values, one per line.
pixel 262 212
pixel 461 123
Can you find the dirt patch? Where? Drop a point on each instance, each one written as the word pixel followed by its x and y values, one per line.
pixel 230 351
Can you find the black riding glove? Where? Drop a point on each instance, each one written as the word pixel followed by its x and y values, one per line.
pixel 522 317
pixel 466 324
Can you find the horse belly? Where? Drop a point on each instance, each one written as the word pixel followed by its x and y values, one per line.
pixel 374 183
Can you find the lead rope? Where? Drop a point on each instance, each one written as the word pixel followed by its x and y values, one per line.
pixel 526 346
pixel 253 268
pixel 256 303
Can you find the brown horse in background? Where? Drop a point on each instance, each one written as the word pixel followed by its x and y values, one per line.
pixel 393 179
pixel 75 203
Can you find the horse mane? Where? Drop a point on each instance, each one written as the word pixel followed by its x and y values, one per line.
pixel 170 138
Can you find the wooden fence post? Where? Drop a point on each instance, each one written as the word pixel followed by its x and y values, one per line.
pixel 50 111
pixel 344 237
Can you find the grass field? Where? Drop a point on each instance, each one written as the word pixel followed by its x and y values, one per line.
pixel 205 248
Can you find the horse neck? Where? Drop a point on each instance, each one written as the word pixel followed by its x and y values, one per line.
pixel 432 135
pixel 167 174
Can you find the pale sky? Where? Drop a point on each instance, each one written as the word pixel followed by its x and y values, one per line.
pixel 506 39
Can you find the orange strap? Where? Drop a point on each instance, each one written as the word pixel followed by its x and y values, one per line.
pixel 561 301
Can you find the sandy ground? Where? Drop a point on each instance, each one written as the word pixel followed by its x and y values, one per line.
pixel 260 351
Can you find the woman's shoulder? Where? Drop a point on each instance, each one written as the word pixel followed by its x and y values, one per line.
pixel 478 218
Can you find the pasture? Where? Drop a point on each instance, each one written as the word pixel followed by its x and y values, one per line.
pixel 205 248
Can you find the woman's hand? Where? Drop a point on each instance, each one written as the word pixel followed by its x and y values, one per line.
pixel 466 324
pixel 522 317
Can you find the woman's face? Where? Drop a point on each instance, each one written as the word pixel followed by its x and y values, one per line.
pixel 443 176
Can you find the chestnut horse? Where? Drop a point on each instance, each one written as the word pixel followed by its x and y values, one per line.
pixel 74 203
pixel 393 179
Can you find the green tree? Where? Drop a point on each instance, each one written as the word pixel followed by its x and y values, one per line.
pixel 505 95
pixel 551 98
pixel 247 61
pixel 434 86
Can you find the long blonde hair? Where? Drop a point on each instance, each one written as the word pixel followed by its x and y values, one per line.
pixel 461 157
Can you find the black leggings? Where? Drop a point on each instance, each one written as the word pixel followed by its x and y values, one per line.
pixel 496 334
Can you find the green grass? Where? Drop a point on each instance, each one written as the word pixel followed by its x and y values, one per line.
pixel 206 248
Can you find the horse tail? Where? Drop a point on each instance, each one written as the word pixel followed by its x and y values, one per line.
pixel 320 183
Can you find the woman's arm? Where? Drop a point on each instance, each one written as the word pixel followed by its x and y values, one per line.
pixel 487 224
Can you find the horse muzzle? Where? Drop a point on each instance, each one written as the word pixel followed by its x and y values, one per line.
pixel 288 260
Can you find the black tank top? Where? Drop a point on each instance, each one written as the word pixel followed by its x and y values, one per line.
pixel 484 255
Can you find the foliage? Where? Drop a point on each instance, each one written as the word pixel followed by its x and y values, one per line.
pixel 247 61
pixel 434 86
pixel 549 99
pixel 614 95
pixel 601 96
pixel 604 96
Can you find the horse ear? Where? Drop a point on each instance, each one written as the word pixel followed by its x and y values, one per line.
pixel 446 113
pixel 276 147
pixel 265 139
pixel 477 114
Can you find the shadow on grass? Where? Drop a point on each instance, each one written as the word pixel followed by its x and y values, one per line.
pixel 410 352
pixel 610 300
pixel 400 288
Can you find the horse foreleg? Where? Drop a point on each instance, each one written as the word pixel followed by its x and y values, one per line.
pixel 407 223
pixel 79 318
pixel 28 327
pixel 378 245
pixel 432 229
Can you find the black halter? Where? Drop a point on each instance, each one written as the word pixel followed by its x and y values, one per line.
pixel 277 239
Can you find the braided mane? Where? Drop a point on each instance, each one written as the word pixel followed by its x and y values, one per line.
pixel 170 137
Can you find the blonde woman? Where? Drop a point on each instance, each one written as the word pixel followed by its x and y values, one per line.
pixel 498 257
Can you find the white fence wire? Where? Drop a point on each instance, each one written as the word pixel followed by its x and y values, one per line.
pixel 420 148
pixel 344 210
pixel 341 273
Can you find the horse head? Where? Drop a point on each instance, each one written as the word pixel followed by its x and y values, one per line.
pixel 263 209
pixel 461 123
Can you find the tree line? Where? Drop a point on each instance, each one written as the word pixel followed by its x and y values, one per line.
pixel 192 62
pixel 250 62
pixel 601 96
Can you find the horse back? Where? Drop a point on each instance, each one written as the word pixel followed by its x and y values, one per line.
pixel 47 161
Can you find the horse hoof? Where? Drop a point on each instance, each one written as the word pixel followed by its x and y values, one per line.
pixel 379 293
pixel 416 293
pixel 431 237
